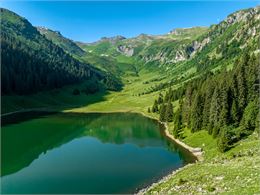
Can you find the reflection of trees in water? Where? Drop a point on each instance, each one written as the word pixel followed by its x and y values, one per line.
pixel 22 143
pixel 183 153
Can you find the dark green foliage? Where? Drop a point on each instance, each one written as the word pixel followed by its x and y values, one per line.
pixel 234 112
pixel 220 103
pixel 160 98
pixel 76 92
pixel 155 107
pixel 149 110
pixel 64 43
pixel 91 87
pixel 177 124
pixel 162 111
pixel 32 63
pixel 257 123
pixel 165 111
pixel 169 112
pixel 249 119
pixel 225 139
pixel 196 113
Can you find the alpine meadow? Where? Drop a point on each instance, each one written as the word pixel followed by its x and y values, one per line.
pixel 161 113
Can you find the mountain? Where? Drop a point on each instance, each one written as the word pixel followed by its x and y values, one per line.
pixel 57 38
pixel 161 48
pixel 31 63
pixel 186 48
pixel 222 96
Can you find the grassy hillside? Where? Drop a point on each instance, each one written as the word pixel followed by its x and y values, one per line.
pixel 234 172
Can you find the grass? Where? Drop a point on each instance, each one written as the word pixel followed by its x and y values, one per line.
pixel 234 172
pixel 63 99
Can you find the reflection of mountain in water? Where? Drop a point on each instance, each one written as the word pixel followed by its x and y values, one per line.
pixel 22 143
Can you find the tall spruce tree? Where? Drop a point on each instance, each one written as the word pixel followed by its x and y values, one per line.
pixel 169 112
pixel 163 112
pixel 196 113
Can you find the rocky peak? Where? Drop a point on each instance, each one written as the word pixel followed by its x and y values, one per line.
pixel 44 30
pixel 243 15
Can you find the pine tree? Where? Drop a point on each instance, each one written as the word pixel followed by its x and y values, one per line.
pixel 224 117
pixel 234 112
pixel 241 87
pixel 155 107
pixel 160 98
pixel 187 104
pixel 177 123
pixel 214 111
pixel 196 113
pixel 163 112
pixel 169 112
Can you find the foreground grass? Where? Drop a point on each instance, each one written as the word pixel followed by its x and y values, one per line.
pixel 234 172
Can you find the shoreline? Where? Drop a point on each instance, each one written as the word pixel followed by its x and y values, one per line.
pixel 163 179
pixel 196 152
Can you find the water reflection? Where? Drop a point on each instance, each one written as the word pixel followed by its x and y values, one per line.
pixel 67 134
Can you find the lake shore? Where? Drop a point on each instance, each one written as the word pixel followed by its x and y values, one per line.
pixel 196 152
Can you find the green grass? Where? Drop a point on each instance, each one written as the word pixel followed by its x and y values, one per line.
pixel 63 99
pixel 234 172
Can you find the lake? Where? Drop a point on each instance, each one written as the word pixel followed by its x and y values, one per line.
pixel 95 153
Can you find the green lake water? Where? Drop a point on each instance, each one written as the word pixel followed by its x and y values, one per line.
pixel 86 154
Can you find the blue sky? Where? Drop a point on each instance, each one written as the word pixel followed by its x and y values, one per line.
pixel 89 21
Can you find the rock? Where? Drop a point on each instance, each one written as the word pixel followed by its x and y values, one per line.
pixel 128 51
pixel 196 150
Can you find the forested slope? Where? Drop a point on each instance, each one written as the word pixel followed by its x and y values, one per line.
pixel 223 96
pixel 31 63
pixel 65 43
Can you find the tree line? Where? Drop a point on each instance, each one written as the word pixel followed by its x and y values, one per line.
pixel 226 104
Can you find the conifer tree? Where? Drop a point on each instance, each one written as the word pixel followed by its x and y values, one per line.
pixel 155 107
pixel 163 112
pixel 214 111
pixel 169 112
pixel 196 113
pixel 177 123
pixel 160 98
pixel 234 112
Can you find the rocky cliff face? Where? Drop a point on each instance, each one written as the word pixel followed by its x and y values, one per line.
pixel 126 50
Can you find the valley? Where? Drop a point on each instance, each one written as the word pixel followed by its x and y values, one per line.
pixel 129 75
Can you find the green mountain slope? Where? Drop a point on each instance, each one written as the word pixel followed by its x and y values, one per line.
pixel 186 52
pixel 161 49
pixel 65 43
pixel 31 63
